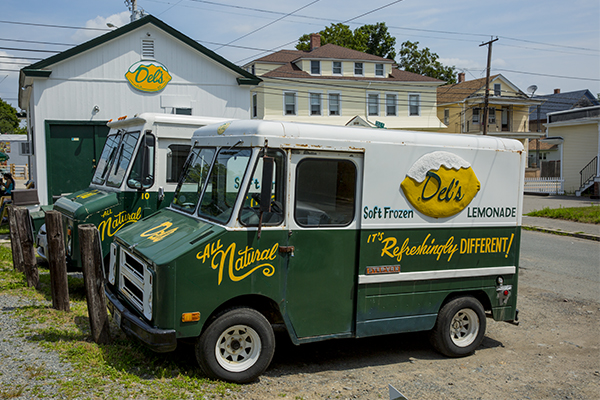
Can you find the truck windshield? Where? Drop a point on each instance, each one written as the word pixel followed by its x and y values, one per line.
pixel 193 177
pixel 117 150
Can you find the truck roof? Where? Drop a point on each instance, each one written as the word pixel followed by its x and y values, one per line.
pixel 328 137
pixel 173 119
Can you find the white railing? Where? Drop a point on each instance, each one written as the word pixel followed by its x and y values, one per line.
pixel 545 185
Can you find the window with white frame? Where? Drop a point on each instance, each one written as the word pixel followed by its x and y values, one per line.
pixel 492 115
pixel 315 103
pixel 497 89
pixel 446 116
pixel 334 104
pixel 337 68
pixel 373 104
pixel 315 67
pixel 476 115
pixel 289 100
pixel 254 105
pixel 358 68
pixel 414 104
pixel 391 105
pixel 378 69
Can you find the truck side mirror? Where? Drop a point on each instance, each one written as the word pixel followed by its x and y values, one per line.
pixel 267 182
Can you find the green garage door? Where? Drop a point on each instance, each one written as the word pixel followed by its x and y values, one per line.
pixel 72 148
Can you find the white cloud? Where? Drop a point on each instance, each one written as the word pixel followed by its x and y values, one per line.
pixel 99 22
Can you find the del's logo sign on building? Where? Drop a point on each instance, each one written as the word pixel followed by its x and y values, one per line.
pixel 440 184
pixel 148 76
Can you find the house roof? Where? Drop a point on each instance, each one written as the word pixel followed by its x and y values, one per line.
pixel 460 91
pixel 327 51
pixel 533 145
pixel 40 68
pixel 561 102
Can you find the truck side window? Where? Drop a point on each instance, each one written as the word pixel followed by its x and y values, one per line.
pixel 142 172
pixel 193 179
pixel 250 212
pixel 123 157
pixel 325 192
pixel 178 153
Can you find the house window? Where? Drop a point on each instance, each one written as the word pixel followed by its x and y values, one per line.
pixel 414 104
pixel 476 115
pixel 253 69
pixel 182 111
pixel 497 89
pixel 390 105
pixel 315 67
pixel 254 105
pixel 358 68
pixel 378 69
pixel 446 116
pixel 334 104
pixel 289 103
pixel 373 104
pixel 492 115
pixel 315 104
pixel 337 67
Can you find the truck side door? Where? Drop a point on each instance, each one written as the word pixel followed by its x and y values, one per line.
pixel 324 233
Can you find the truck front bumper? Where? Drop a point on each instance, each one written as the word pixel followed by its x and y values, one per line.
pixel 158 340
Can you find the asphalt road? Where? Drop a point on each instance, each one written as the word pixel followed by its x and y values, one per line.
pixel 564 265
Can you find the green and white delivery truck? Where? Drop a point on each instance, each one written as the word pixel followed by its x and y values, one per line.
pixel 136 175
pixel 331 232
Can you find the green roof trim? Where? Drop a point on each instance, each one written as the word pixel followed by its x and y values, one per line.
pixel 39 73
pixel 148 19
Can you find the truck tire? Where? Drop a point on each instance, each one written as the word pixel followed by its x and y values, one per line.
pixel 459 328
pixel 236 347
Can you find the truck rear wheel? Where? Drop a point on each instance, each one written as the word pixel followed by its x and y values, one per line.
pixel 459 328
pixel 237 347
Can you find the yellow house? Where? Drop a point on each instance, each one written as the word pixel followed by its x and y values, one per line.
pixel 461 108
pixel 334 85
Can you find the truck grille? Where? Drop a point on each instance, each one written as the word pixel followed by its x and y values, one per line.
pixel 135 282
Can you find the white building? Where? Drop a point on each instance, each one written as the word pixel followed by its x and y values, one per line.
pixel 144 66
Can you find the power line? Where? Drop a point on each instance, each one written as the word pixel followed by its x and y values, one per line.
pixel 36 42
pixel 32 50
pixel 55 26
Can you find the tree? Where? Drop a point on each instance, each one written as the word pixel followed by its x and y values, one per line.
pixel 9 122
pixel 424 62
pixel 371 39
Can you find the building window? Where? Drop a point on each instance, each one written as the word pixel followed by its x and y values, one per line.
pixel 373 104
pixel 492 115
pixel 289 103
pixel 337 68
pixel 182 111
pixel 446 116
pixel 378 69
pixel 315 67
pixel 254 105
pixel 334 104
pixel 315 104
pixel 414 104
pixel 497 89
pixel 476 115
pixel 390 105
pixel 253 69
pixel 358 68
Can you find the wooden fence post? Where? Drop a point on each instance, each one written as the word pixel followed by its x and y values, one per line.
pixel 28 251
pixel 93 277
pixel 57 261
pixel 15 240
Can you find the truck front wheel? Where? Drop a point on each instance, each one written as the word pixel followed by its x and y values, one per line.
pixel 459 328
pixel 237 347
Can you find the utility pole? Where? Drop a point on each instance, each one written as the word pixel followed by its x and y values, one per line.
pixel 487 84
pixel 135 13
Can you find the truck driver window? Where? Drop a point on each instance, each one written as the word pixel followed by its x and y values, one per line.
pixel 176 157
pixel 325 192
pixel 142 172
pixel 123 157
pixel 193 178
pixel 224 183
pixel 250 212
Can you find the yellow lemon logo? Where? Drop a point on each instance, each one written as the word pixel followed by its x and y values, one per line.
pixel 148 76
pixel 440 184
pixel 221 129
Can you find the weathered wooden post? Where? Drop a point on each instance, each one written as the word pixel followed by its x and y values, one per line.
pixel 25 230
pixel 57 261
pixel 15 241
pixel 93 277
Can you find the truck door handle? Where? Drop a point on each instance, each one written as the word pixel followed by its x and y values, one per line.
pixel 287 249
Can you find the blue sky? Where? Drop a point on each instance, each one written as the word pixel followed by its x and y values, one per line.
pixel 549 43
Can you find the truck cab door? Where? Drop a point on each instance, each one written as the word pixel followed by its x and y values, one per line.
pixel 324 232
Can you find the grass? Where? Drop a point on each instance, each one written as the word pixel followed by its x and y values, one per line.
pixel 121 369
pixel 589 215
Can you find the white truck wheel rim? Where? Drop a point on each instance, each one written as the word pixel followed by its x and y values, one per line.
pixel 464 327
pixel 238 348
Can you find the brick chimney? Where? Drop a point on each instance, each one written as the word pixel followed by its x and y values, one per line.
pixel 315 41
pixel 556 91
pixel 461 77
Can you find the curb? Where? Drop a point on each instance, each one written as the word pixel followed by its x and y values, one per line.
pixel 580 235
